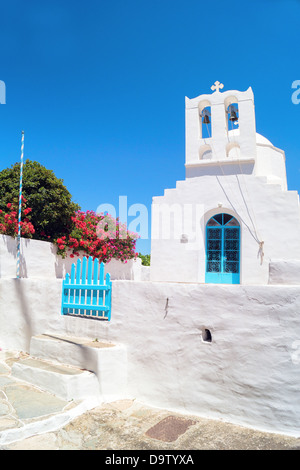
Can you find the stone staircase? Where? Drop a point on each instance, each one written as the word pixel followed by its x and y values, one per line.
pixel 75 368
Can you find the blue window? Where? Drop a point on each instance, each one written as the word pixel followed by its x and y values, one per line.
pixel 222 250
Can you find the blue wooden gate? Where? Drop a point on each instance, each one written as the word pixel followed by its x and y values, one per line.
pixel 87 292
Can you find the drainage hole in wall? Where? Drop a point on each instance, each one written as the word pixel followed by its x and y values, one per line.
pixel 206 335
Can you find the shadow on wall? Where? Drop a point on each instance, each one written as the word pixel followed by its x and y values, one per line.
pixel 38 259
pixel 62 265
pixel 11 247
pixel 87 354
pixel 20 297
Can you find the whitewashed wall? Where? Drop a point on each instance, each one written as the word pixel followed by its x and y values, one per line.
pixel 264 212
pixel 284 272
pixel 249 374
pixel 39 260
pixel 244 175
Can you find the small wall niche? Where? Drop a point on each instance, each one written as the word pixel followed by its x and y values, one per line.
pixel 205 152
pixel 233 150
pixel 206 335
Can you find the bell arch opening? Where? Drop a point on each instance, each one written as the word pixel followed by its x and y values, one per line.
pixel 232 112
pixel 205 119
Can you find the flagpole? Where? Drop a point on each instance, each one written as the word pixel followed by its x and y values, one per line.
pixel 20 207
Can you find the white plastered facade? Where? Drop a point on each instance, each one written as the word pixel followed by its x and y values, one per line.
pixel 235 171
pixel 249 372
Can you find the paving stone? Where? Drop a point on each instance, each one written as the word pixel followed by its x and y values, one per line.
pixel 6 381
pixel 32 403
pixel 3 369
pixel 39 442
pixel 4 408
pixel 7 422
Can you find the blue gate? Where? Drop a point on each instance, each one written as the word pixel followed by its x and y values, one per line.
pixel 87 292
pixel 222 250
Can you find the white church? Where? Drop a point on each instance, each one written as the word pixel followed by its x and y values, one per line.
pixel 232 220
pixel 215 332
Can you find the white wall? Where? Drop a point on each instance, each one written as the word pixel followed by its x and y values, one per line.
pixel 39 260
pixel 245 137
pixel 249 373
pixel 265 212
pixel 284 272
pixel 270 163
pixel 248 182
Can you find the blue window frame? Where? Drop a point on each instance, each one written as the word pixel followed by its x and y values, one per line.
pixel 222 250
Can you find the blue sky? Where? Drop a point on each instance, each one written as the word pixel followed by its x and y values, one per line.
pixel 99 86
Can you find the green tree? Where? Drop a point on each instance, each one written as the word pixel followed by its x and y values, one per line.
pixel 145 259
pixel 51 202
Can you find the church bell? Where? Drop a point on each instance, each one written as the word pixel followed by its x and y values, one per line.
pixel 205 115
pixel 232 113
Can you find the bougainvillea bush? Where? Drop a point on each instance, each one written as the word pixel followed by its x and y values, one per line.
pixel 54 217
pixel 98 235
pixel 9 220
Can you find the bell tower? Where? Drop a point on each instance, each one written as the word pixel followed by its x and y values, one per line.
pixel 232 217
pixel 220 128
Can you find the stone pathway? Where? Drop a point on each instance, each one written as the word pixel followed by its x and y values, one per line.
pixel 26 410
pixel 129 425
pixel 119 426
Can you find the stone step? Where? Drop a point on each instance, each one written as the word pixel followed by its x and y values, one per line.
pixel 106 360
pixel 66 382
pixel 79 352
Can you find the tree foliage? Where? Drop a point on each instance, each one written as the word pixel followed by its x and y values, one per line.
pixel 145 259
pixel 50 201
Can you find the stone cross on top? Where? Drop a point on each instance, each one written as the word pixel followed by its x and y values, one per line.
pixel 217 86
